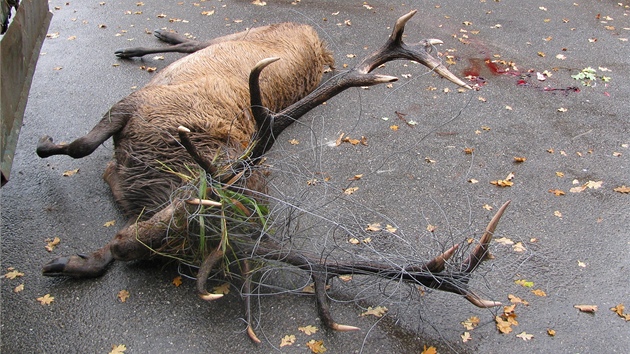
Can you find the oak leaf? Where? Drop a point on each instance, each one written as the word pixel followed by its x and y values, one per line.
pixel 525 336
pixel 289 339
pixel 110 223
pixel 524 283
pixel 316 346
pixel 377 311
pixel 519 248
pixel 374 227
pixel 123 295
pixel 52 243
pixel 308 330
pixel 466 337
pixel 517 300
pixel 429 350
pixel 503 325
pixel 18 288
pixel 539 292
pixel 622 189
pixel 46 299
pixel 551 332
pixel 13 274
pixel 471 323
pixel 118 349
pixel 504 241
pixel 177 281
pixel 350 190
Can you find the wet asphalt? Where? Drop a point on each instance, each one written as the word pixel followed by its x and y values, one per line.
pixel 576 246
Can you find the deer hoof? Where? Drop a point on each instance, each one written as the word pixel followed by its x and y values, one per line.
pixel 78 266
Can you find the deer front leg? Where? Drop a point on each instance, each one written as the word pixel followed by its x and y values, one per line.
pixel 133 242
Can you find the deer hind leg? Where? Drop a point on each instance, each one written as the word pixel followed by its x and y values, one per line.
pixel 113 121
pixel 135 241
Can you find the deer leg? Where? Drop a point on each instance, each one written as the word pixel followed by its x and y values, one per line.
pixel 133 242
pixel 246 293
pixel 113 121
pixel 319 277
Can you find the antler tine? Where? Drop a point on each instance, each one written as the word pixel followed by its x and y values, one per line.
pixel 194 153
pixel 261 114
pixel 437 264
pixel 479 302
pixel 480 251
pixel 204 272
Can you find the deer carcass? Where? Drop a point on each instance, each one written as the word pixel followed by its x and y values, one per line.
pixel 208 119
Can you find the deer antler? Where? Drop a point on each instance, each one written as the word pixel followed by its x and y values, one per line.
pixel 271 125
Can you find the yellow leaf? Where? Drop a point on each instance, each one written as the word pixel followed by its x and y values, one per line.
pixel 287 340
pixel 390 228
pixel 524 283
pixel 259 2
pixel 557 192
pixel 586 308
pixel 294 142
pixel 13 274
pixel 110 223
pixel 394 127
pixel 431 228
pixel 52 243
pixel 471 323
pixel 46 299
pixel 316 346
pixel 429 350
pixel 618 309
pixel 118 349
pixel 177 281
pixel 469 151
pixel 123 295
pixel 593 184
pixel 367 240
pixel 18 288
pixel 525 336
pixel 557 213
pixel 222 289
pixel 503 325
pixel 539 292
pixel 551 332
pixel 377 311
pixel 308 330
pixel 70 173
pixel 487 207
pixel 354 241
pixel 466 337
pixel 520 159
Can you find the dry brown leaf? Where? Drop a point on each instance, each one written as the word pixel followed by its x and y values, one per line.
pixel 123 295
pixel 354 241
pixel 222 289
pixel 503 325
pixel 377 311
pixel 471 323
pixel 539 292
pixel 390 228
pixel 177 281
pixel 345 278
pixel 618 309
pixel 466 337
pixel 289 339
pixel 350 190
pixel 294 142
pixel 520 159
pixel 308 330
pixel 586 308
pixel 355 177
pixel 13 274
pixel 622 189
pixel 469 151
pixel 118 349
pixel 18 288
pixel 46 299
pixel 519 248
pixel 70 173
pixel 109 223
pixel 259 3
pixel 50 246
pixel 557 192
pixel 504 241
pixel 316 346
pixel 429 350
pixel 551 332
pixel 517 300
pixel 525 336
pixel 393 127
pixel 374 227
pixel 557 213
pixel 431 228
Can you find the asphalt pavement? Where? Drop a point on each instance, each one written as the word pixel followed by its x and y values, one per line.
pixel 558 132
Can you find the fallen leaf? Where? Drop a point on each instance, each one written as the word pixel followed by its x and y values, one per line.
pixel 471 323
pixel 345 278
pixel 123 295
pixel 503 325
pixel 487 207
pixel 520 159
pixel 110 223
pixel 504 241
pixel 431 228
pixel 524 283
pixel 517 300
pixel 355 177
pixel 50 246
pixel 539 292
pixel 18 288
pixel 429 350
pixel 308 330
pixel 70 173
pixel 593 184
pixel 562 109
pixel 46 299
pixel 551 332
pixel 473 181
pixel 367 240
pixel 390 228
pixel 586 308
pixel 316 346
pixel 289 339
pixel 259 2
pixel 466 337
pixel 377 311
pixel 394 127
pixel 374 227
pixel 294 142
pixel 618 309
pixel 350 190
pixel 581 264
pixel 177 281
pixel 557 213
pixel 118 349
pixel 469 151
pixel 222 289
pixel 354 241
pixel 13 274
pixel 556 192
pixel 525 336
pixel 519 248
